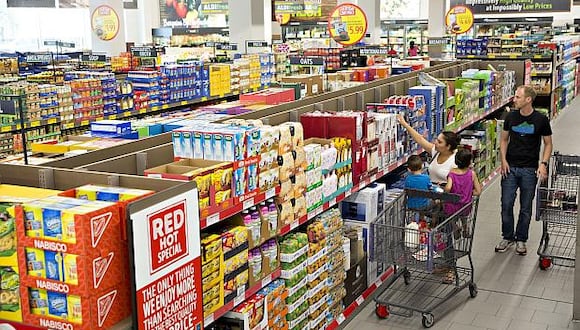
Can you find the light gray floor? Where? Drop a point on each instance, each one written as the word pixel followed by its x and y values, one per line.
pixel 513 292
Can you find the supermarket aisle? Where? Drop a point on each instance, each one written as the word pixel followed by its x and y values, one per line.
pixel 513 292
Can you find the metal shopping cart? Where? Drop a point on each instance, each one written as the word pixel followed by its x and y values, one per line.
pixel 557 208
pixel 424 258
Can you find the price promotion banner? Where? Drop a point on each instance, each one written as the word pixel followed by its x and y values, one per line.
pixel 459 19
pixel 347 24
pixel 105 22
pixel 166 253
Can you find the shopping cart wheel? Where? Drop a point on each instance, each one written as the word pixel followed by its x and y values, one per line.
pixel 428 320
pixel 382 311
pixel 472 290
pixel 545 263
pixel 407 277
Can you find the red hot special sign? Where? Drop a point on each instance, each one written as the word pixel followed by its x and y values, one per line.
pixel 167 257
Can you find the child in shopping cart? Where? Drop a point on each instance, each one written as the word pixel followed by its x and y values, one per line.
pixel 416 179
pixel 461 181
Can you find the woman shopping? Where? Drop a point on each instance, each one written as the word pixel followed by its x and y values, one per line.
pixel 442 150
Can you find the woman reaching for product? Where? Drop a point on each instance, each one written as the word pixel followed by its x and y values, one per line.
pixel 442 150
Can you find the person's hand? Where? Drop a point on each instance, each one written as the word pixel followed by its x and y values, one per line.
pixel 402 120
pixel 542 172
pixel 505 169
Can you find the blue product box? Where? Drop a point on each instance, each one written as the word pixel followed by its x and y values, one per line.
pixel 52 223
pixel 57 304
pixel 54 265
pixel 111 127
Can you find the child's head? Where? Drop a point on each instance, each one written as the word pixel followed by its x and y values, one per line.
pixel 463 158
pixel 415 163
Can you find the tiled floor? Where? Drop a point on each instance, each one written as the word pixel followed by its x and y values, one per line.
pixel 513 292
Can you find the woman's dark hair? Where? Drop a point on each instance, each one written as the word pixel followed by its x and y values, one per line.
pixel 452 139
pixel 412 43
pixel 463 158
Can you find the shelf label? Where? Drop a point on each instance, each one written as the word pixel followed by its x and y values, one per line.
pixel 266 280
pixel 213 219
pixel 332 202
pixel 270 193
pixel 294 225
pixel 85 123
pixel 248 203
pixel 209 319
pixel 340 319
pixel 113 117
pixel 35 123
pixel 360 300
pixel 240 298
pixel 165 106
pixel 183 103
pixel 126 113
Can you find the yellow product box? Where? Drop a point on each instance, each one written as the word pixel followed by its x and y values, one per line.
pixel 211 247
pixel 75 311
pixel 35 262
pixel 38 301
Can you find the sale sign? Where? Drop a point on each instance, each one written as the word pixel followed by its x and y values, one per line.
pixel 459 19
pixel 167 262
pixel 347 24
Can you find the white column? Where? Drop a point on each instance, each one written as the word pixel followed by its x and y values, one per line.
pixel 140 21
pixel 437 11
pixel 117 44
pixel 372 9
pixel 250 20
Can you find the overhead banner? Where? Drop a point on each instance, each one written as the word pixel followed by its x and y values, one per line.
pixel 310 10
pixel 459 19
pixel 167 262
pixel 347 24
pixel 514 6
pixel 194 14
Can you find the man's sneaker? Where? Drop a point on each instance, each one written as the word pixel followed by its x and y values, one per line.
pixel 521 248
pixel 503 245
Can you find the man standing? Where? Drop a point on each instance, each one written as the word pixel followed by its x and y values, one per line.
pixel 521 166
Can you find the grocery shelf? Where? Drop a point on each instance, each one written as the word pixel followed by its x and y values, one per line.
pixel 241 297
pixel 505 57
pixel 362 184
pixel 249 201
pixel 490 177
pixel 32 124
pixel 364 298
pixel 483 115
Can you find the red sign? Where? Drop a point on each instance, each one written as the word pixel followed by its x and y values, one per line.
pixel 172 302
pixel 168 236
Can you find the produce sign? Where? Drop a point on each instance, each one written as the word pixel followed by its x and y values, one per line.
pixel 167 262
pixel 459 19
pixel 214 7
pixel 513 6
pixel 347 24
pixel 194 13
pixel 105 22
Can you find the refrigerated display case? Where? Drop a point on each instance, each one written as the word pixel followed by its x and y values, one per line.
pixel 399 33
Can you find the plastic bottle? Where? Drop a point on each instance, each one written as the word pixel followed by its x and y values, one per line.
pixel 257 264
pixel 273 247
pixel 265 212
pixel 247 219
pixel 412 235
pixel 272 216
pixel 256 223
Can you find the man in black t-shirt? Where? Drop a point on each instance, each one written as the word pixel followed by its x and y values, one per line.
pixel 521 166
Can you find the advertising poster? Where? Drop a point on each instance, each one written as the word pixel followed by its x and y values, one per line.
pixel 310 10
pixel 194 13
pixel 31 3
pixel 347 24
pixel 105 22
pixel 459 19
pixel 167 263
pixel 514 6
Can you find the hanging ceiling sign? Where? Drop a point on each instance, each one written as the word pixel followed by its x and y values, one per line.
pixel 105 22
pixel 513 6
pixel 212 7
pixel 347 24
pixel 459 19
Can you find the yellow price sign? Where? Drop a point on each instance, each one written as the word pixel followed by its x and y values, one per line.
pixel 142 111
pixel 6 129
pixel 52 121
pixel 183 102
pixel 126 113
pixel 459 19
pixel 105 22
pixel 113 117
pixel 347 24
pixel 491 56
pixel 85 123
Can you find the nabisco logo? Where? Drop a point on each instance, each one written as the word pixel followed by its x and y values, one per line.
pixel 104 305
pixel 100 267
pixel 98 226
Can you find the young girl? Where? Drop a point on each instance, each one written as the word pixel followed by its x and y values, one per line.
pixel 463 182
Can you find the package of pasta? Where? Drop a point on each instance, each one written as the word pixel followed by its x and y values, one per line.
pixel 7 232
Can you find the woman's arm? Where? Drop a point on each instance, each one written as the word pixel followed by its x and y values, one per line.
pixel 448 185
pixel 476 184
pixel 426 145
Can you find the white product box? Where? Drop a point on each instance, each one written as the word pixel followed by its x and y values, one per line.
pixel 365 204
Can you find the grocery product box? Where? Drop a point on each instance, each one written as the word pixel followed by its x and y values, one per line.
pixel 10 304
pixel 57 147
pixel 356 281
pixel 270 96
pixel 312 84
pixel 364 205
pixel 81 227
pixel 111 127
pixel 53 310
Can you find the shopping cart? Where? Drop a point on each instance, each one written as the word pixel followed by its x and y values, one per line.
pixel 557 208
pixel 424 258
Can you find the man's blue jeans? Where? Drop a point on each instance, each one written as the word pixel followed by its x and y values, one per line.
pixel 525 179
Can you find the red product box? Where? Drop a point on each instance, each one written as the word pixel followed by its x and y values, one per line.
pixel 99 311
pixel 94 274
pixel 270 96
pixel 97 233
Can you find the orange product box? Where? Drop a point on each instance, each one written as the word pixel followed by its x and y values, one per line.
pixel 72 274
pixel 88 231
pixel 50 310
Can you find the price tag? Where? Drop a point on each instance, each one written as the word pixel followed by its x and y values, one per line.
pixel 311 214
pixel 203 99
pixel 113 117
pixel 248 203
pixel 52 121
pixel 142 111
pixel 6 129
pixel 267 280
pixel 236 93
pixel 513 56
pixel 35 123
pixel 491 56
pixel 332 202
pixel 126 113
pixel 240 298
pixel 347 193
pixel 360 300
pixel 361 185
pixel 213 219
pixel 340 319
pixel 85 123
pixel 165 106
pixel 270 193
pixel 183 103
pixel 209 319
pixel 294 225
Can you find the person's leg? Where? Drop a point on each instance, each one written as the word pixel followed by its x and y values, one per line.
pixel 509 186
pixel 527 182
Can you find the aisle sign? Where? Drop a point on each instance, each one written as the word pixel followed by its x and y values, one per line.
pixel 257 44
pixel 307 60
pixel 167 261
pixel 39 58
pixel 369 51
pixel 459 19
pixel 93 58
pixel 347 24
pixel 233 47
pixel 144 51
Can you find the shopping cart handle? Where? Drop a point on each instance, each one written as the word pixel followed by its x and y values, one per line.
pixel 445 197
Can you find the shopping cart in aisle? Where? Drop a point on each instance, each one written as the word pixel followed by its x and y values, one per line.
pixel 557 208
pixel 431 265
